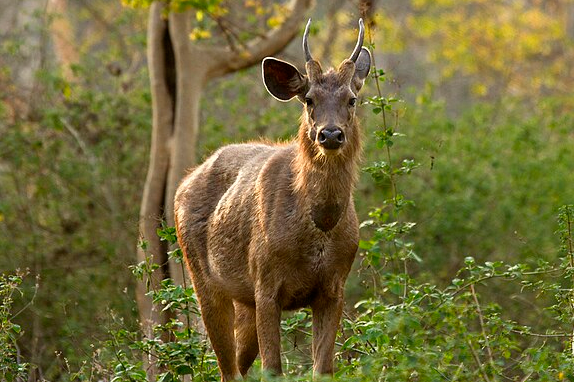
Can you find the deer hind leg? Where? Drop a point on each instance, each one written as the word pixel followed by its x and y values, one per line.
pixel 246 336
pixel 218 316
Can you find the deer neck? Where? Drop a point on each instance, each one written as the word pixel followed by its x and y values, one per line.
pixel 324 185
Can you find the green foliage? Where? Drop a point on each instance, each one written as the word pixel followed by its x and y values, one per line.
pixel 490 182
pixel 453 334
pixel 70 180
pixel 11 366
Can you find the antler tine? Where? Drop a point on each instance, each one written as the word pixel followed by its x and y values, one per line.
pixel 308 56
pixel 359 45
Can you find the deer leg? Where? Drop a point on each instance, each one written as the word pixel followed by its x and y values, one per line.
pixel 268 317
pixel 218 316
pixel 245 336
pixel 326 317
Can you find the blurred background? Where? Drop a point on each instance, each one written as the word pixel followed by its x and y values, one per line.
pixel 486 112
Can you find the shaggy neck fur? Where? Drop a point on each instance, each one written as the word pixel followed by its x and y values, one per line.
pixel 324 183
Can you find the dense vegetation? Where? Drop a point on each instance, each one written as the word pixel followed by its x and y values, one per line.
pixel 466 268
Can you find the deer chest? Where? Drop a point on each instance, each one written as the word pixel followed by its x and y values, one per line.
pixel 326 215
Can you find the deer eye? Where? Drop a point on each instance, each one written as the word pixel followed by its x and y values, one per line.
pixel 352 101
pixel 308 101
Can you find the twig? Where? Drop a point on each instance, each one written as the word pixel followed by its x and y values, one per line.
pixel 570 251
pixel 501 275
pixel 477 360
pixel 231 37
pixel 526 377
pixel 482 326
pixel 31 302
pixel 555 335
pixel 569 237
pixel 441 374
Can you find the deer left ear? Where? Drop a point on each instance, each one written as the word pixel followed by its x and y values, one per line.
pixel 362 68
pixel 282 80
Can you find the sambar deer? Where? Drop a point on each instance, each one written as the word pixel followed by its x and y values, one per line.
pixel 271 227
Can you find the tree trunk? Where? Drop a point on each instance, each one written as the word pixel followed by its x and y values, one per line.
pixel 160 61
pixel 63 36
pixel 189 84
pixel 15 16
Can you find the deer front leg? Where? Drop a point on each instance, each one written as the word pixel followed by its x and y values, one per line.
pixel 268 318
pixel 326 317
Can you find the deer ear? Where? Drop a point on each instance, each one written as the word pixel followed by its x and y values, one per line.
pixel 362 68
pixel 282 80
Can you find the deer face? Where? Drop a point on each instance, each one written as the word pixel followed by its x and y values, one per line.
pixel 330 104
pixel 330 98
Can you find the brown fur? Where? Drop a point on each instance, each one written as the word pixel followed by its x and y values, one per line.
pixel 272 227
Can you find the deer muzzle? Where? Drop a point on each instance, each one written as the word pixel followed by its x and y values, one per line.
pixel 331 138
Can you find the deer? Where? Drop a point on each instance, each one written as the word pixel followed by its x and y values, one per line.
pixel 267 227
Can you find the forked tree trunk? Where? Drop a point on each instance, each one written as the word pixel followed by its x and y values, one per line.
pixel 179 70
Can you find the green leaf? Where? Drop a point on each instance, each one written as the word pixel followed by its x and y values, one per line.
pixel 166 377
pixel 366 245
pixel 184 370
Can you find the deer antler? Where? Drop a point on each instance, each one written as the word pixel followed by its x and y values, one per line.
pixel 359 45
pixel 308 56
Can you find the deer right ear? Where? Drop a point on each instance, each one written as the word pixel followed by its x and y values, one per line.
pixel 362 68
pixel 282 80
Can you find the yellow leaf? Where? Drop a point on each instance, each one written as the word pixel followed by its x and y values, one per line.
pixel 278 17
pixel 274 22
pixel 199 34
pixel 479 89
pixel 67 91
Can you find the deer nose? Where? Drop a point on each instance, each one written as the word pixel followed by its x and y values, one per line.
pixel 331 138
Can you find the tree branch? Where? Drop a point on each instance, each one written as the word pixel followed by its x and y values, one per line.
pixel 226 61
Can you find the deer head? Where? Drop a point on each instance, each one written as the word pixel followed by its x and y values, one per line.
pixel 329 97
